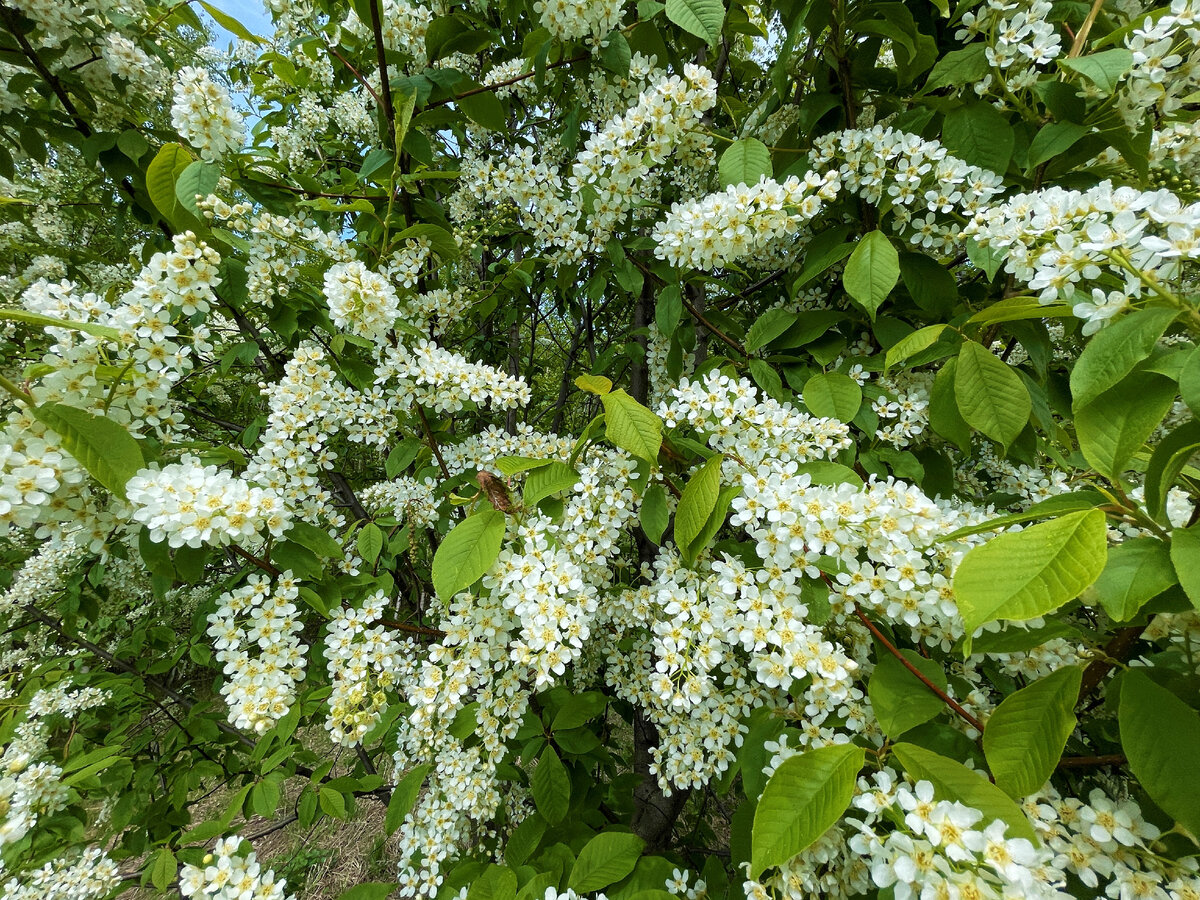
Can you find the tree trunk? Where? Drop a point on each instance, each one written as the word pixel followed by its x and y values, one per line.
pixel 654 815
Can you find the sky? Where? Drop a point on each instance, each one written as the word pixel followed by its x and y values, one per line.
pixel 251 13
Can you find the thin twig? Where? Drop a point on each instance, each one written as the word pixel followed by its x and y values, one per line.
pixel 891 648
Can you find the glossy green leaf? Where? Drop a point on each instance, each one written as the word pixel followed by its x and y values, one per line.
pixel 546 480
pixel 654 514
pixel 1138 569
pixel 978 133
pixel 745 161
pixel 105 448
pixel 872 271
pixel 805 796
pixel 991 397
pixel 953 781
pixel 605 860
pixel 467 552
pixel 1025 735
pixel 833 395
pixel 1160 735
pixel 770 325
pixel 702 18
pixel 631 426
pixel 550 787
pixel 1115 426
pixel 1185 555
pixel 900 700
pixel 697 504
pixel 1112 352
pixel 1032 572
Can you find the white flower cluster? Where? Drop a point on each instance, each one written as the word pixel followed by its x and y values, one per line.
pixel 1166 63
pixel 361 301
pixel 444 381
pixel 533 619
pixel 30 786
pixel 41 576
pixel 481 450
pixel 506 71
pixel 204 116
pixel 1100 250
pixel 92 876
pixel 903 407
pixel 365 662
pixel 190 504
pixel 923 188
pixel 305 407
pixel 404 24
pixel 408 499
pixel 570 20
pixel 230 873
pixel 573 216
pixel 259 689
pixel 741 222
pixel 126 378
pixel 279 246
pixel 1020 35
pixel 435 311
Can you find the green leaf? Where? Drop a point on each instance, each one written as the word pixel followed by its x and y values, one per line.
pixel 979 134
pixel 631 426
pixel 485 109
pixel 369 543
pixel 1025 736
pixel 29 318
pixel 467 552
pixel 1105 69
pixel 1189 382
pixel 332 803
pixel 952 780
pixel 524 839
pixel 1138 569
pixel 593 384
pixel 667 312
pixel 1185 555
pixel 900 700
pixel 199 178
pixel 164 869
pixel 1029 573
pixel 872 271
pixel 401 456
pixel 1166 462
pixel 369 890
pixel 546 480
pixel 1160 735
pixel 654 513
pixel 807 794
pixel 440 240
pixel 315 539
pixel 496 883
pixel 702 18
pixel 912 344
pixel 745 161
pixel 550 787
pixel 832 395
pixel 1114 426
pixel 230 24
pixel 110 453
pixel 767 327
pixel 991 397
pixel 697 504
pixel 944 416
pixel 1112 353
pixel 958 67
pixel 988 260
pixel 1054 138
pixel 605 860
pixel 162 173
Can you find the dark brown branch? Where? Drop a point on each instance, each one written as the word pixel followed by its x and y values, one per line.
pixel 1115 651
pixel 891 648
pixel 1088 762
pixel 385 84
pixel 499 84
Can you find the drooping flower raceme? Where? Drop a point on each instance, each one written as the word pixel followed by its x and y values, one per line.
pixel 231 872
pixel 360 301
pixel 190 504
pixel 203 114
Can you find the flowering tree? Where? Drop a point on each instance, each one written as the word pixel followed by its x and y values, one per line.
pixel 690 449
